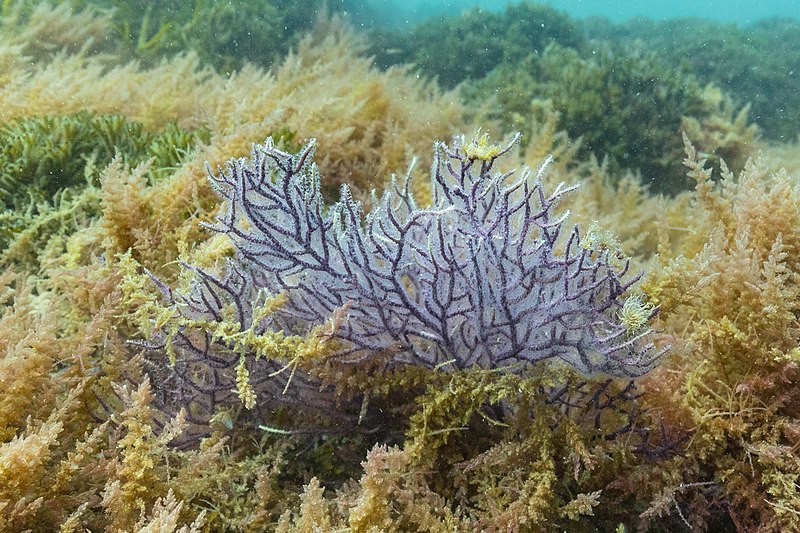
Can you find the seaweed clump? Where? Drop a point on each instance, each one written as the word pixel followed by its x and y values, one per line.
pixel 40 155
pixel 225 35
pixel 50 169
pixel 469 46
pixel 624 100
pixel 755 64
pixel 628 107
pixel 728 403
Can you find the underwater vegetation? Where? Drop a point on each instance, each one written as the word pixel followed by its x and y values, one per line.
pixel 213 342
pixel 624 107
pixel 624 99
pixel 40 155
pixel 756 65
pixel 436 48
pixel 222 34
pixel 51 159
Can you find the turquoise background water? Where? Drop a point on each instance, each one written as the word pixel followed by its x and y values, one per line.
pixel 739 11
pixel 743 12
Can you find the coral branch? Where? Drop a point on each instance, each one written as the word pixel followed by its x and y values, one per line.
pixel 486 276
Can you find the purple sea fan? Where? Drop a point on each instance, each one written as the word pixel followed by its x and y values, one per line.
pixel 484 277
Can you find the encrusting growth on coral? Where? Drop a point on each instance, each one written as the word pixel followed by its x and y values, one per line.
pixel 635 313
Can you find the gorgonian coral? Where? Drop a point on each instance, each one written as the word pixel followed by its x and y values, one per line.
pixel 485 277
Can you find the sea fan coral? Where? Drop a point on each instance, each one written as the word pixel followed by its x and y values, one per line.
pixel 486 277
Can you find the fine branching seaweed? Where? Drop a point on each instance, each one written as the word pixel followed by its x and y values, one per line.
pixel 50 169
pixel 40 155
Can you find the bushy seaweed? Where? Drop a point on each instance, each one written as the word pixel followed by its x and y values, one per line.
pixel 223 34
pixel 626 101
pixel 756 64
pixel 625 106
pixel 43 154
pixel 456 48
pixel 46 162
pixel 729 402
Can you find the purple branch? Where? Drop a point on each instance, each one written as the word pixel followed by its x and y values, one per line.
pixel 478 278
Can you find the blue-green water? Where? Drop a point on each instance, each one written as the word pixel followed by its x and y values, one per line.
pixel 739 11
pixel 743 12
